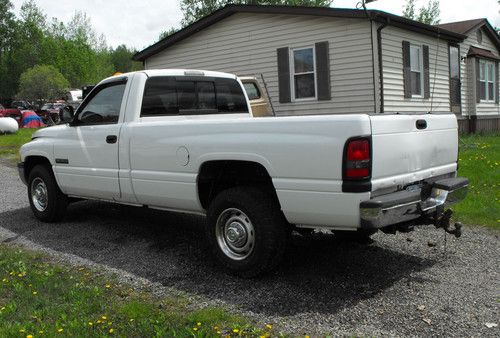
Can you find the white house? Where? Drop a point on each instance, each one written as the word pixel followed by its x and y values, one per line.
pixel 479 55
pixel 329 60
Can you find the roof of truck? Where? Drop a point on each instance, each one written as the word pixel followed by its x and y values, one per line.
pixel 175 72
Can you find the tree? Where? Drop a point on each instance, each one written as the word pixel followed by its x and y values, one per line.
pixel 166 33
pixel 428 14
pixel 194 10
pixel 409 9
pixel 42 83
pixel 121 58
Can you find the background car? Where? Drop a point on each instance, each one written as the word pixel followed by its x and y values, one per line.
pixel 21 105
pixel 14 113
pixel 51 111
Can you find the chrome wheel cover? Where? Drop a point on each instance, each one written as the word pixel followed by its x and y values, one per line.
pixel 39 194
pixel 235 234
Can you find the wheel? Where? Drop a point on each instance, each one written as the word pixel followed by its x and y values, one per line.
pixel 247 231
pixel 47 201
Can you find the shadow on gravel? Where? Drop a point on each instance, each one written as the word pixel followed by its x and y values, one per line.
pixel 320 274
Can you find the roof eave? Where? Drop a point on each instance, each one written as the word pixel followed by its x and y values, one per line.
pixel 229 10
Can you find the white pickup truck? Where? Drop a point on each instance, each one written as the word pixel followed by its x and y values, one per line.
pixel 186 141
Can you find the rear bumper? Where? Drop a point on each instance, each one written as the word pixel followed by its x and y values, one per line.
pixel 405 206
pixel 20 169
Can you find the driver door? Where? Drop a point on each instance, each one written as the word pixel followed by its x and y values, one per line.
pixel 86 153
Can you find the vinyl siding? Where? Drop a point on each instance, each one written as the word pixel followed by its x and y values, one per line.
pixel 469 104
pixel 246 44
pixel 392 56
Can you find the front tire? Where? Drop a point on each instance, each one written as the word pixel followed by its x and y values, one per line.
pixel 47 201
pixel 247 231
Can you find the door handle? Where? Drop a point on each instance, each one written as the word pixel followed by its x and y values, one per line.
pixel 111 139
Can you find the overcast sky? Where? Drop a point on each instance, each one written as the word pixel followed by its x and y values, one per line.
pixel 138 23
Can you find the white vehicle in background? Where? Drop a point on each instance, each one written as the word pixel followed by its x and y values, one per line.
pixel 186 141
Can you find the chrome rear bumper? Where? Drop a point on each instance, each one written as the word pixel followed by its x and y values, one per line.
pixel 405 206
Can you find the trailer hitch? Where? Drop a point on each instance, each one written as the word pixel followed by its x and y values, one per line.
pixel 443 221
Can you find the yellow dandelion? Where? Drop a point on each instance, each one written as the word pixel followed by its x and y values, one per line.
pixel 199 324
pixel 269 326
pixel 98 321
pixel 236 330
pixel 90 323
pixel 195 329
pixel 108 286
pixel 60 330
pixel 306 337
pixel 111 330
pixel 104 317
pixel 35 293
pixel 29 336
pixel 218 332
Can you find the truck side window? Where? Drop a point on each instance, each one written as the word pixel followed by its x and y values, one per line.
pixel 104 106
pixel 230 97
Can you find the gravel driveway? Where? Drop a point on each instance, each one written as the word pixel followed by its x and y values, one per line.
pixel 397 286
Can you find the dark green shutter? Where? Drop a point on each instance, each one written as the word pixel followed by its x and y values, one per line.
pixel 478 82
pixel 284 75
pixel 323 70
pixel 406 69
pixel 427 82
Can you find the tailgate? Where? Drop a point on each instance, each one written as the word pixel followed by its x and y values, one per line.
pixel 410 148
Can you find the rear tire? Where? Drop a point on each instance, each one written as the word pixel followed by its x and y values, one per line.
pixel 47 201
pixel 247 231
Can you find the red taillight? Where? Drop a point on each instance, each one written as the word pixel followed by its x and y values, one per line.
pixel 357 159
pixel 358 150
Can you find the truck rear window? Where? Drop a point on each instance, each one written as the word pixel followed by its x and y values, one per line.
pixel 166 95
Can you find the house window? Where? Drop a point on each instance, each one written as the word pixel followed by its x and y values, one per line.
pixel 416 68
pixel 479 36
pixel 303 73
pixel 486 80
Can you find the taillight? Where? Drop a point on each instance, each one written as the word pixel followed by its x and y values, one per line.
pixel 357 159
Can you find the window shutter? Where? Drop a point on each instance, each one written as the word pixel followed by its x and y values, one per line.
pixel 323 70
pixel 478 82
pixel 406 69
pixel 284 75
pixel 496 82
pixel 427 82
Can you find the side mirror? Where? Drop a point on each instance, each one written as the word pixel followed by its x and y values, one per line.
pixel 67 113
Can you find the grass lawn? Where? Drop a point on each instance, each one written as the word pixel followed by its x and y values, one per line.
pixel 41 298
pixel 479 160
pixel 10 143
